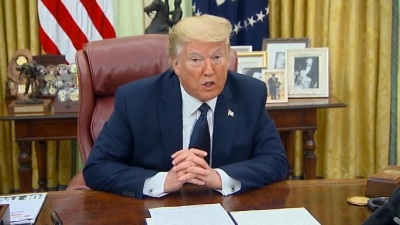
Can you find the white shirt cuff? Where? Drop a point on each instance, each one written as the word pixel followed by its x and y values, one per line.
pixel 229 185
pixel 154 186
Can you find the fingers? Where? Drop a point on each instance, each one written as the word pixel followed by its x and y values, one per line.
pixel 212 180
pixel 190 166
pixel 191 177
pixel 188 152
pixel 194 155
pixel 191 161
pixel 190 172
pixel 196 182
pixel 172 182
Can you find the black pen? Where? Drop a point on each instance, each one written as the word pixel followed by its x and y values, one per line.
pixel 56 219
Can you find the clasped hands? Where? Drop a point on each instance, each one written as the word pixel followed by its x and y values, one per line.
pixel 189 166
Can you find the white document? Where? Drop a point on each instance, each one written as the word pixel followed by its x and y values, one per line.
pixel 24 208
pixel 207 214
pixel 150 221
pixel 286 216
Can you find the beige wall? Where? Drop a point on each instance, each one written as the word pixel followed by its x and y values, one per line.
pixel 129 18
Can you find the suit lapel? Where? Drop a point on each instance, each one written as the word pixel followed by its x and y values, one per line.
pixel 224 124
pixel 170 116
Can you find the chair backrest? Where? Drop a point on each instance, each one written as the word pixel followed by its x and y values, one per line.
pixel 105 65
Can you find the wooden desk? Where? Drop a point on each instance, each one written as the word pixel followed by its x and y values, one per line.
pixel 324 199
pixel 298 114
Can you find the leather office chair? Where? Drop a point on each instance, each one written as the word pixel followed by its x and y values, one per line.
pixel 105 65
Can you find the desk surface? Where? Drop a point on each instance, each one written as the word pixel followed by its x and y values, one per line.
pixel 324 199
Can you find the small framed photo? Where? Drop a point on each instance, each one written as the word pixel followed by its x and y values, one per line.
pixel 242 48
pixel 308 72
pixel 255 72
pixel 251 59
pixel 276 85
pixel 276 49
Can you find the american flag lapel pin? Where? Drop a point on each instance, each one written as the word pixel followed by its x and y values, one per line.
pixel 231 113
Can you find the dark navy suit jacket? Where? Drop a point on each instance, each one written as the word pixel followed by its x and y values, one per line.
pixel 145 129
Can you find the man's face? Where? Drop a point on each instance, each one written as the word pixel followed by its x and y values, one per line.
pixel 202 68
pixel 309 62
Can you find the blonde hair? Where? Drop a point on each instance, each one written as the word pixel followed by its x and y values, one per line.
pixel 205 28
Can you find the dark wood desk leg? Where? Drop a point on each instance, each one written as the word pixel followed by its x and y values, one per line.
pixel 310 160
pixel 25 166
pixel 40 147
pixel 288 140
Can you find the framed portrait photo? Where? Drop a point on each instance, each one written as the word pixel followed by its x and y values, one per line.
pixel 276 49
pixel 277 85
pixel 242 48
pixel 255 72
pixel 308 72
pixel 251 59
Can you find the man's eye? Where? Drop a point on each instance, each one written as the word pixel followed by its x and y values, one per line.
pixel 218 58
pixel 195 61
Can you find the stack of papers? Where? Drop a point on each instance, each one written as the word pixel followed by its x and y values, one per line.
pixel 211 214
pixel 24 208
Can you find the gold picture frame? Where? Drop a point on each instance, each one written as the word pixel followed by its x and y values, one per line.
pixel 251 59
pixel 242 48
pixel 276 81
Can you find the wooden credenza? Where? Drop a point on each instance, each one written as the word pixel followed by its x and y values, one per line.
pixel 297 114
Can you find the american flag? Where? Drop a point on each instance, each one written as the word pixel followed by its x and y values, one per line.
pixel 249 18
pixel 66 25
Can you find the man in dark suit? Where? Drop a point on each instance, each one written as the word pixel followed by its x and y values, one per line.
pixel 145 148
pixel 272 86
pixel 312 71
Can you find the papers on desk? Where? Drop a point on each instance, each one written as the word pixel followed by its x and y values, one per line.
pixel 208 214
pixel 211 214
pixel 275 217
pixel 24 208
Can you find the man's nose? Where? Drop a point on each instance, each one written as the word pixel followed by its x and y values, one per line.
pixel 208 67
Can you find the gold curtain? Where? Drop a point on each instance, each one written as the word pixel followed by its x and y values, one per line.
pixel 352 141
pixel 19 30
pixel 398 88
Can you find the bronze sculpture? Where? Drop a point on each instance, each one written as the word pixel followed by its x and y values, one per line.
pixel 33 75
pixel 161 21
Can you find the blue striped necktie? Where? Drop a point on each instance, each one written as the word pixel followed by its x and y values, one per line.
pixel 200 138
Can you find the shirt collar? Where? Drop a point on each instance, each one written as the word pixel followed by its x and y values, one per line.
pixel 191 104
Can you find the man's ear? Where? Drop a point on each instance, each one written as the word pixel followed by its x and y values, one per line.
pixel 175 66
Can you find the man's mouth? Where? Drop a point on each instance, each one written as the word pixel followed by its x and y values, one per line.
pixel 208 83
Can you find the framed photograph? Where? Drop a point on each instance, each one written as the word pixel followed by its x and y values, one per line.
pixel 251 59
pixel 276 49
pixel 277 85
pixel 243 48
pixel 308 72
pixel 255 72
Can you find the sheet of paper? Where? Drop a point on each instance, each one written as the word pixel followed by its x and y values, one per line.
pixel 150 221
pixel 207 214
pixel 275 217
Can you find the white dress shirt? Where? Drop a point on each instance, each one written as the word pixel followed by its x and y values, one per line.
pixel 154 186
